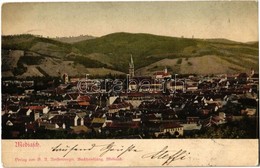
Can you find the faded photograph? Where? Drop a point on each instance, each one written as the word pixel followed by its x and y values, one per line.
pixel 130 70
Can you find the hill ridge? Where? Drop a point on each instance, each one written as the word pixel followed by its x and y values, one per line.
pixel 113 51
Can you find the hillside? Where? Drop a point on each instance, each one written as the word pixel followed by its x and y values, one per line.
pixel 119 46
pixel 27 55
pixel 74 39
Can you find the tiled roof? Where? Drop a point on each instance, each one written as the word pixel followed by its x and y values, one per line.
pixel 123 125
pixel 36 107
pixel 83 98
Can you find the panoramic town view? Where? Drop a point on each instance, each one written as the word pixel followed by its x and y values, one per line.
pixel 123 84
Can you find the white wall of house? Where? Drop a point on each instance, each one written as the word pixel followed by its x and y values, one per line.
pixel 192 126
pixel 76 121
pixel 81 121
pixel 28 112
pixel 136 119
pixel 45 110
pixel 135 103
pixel 56 126
pixel 13 112
pixel 36 116
pixel 192 87
pixel 112 99
pixel 173 130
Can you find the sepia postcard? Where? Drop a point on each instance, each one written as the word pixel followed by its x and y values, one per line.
pixel 130 84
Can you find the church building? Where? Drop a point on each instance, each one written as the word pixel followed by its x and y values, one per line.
pixel 162 74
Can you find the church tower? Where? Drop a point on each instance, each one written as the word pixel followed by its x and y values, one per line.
pixel 131 68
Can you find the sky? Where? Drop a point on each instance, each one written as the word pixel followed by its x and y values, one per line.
pixel 234 20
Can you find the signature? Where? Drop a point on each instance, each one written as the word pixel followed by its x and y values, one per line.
pixel 168 156
pixel 103 149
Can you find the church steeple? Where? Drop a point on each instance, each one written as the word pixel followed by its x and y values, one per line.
pixel 131 68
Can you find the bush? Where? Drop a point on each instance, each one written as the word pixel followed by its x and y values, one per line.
pixel 31 60
pixel 20 69
pixel 88 63
pixel 179 61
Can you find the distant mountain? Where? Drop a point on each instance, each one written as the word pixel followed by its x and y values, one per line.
pixel 74 39
pixel 152 52
pixel 28 55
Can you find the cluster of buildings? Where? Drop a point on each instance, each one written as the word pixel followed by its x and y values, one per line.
pixel 143 107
